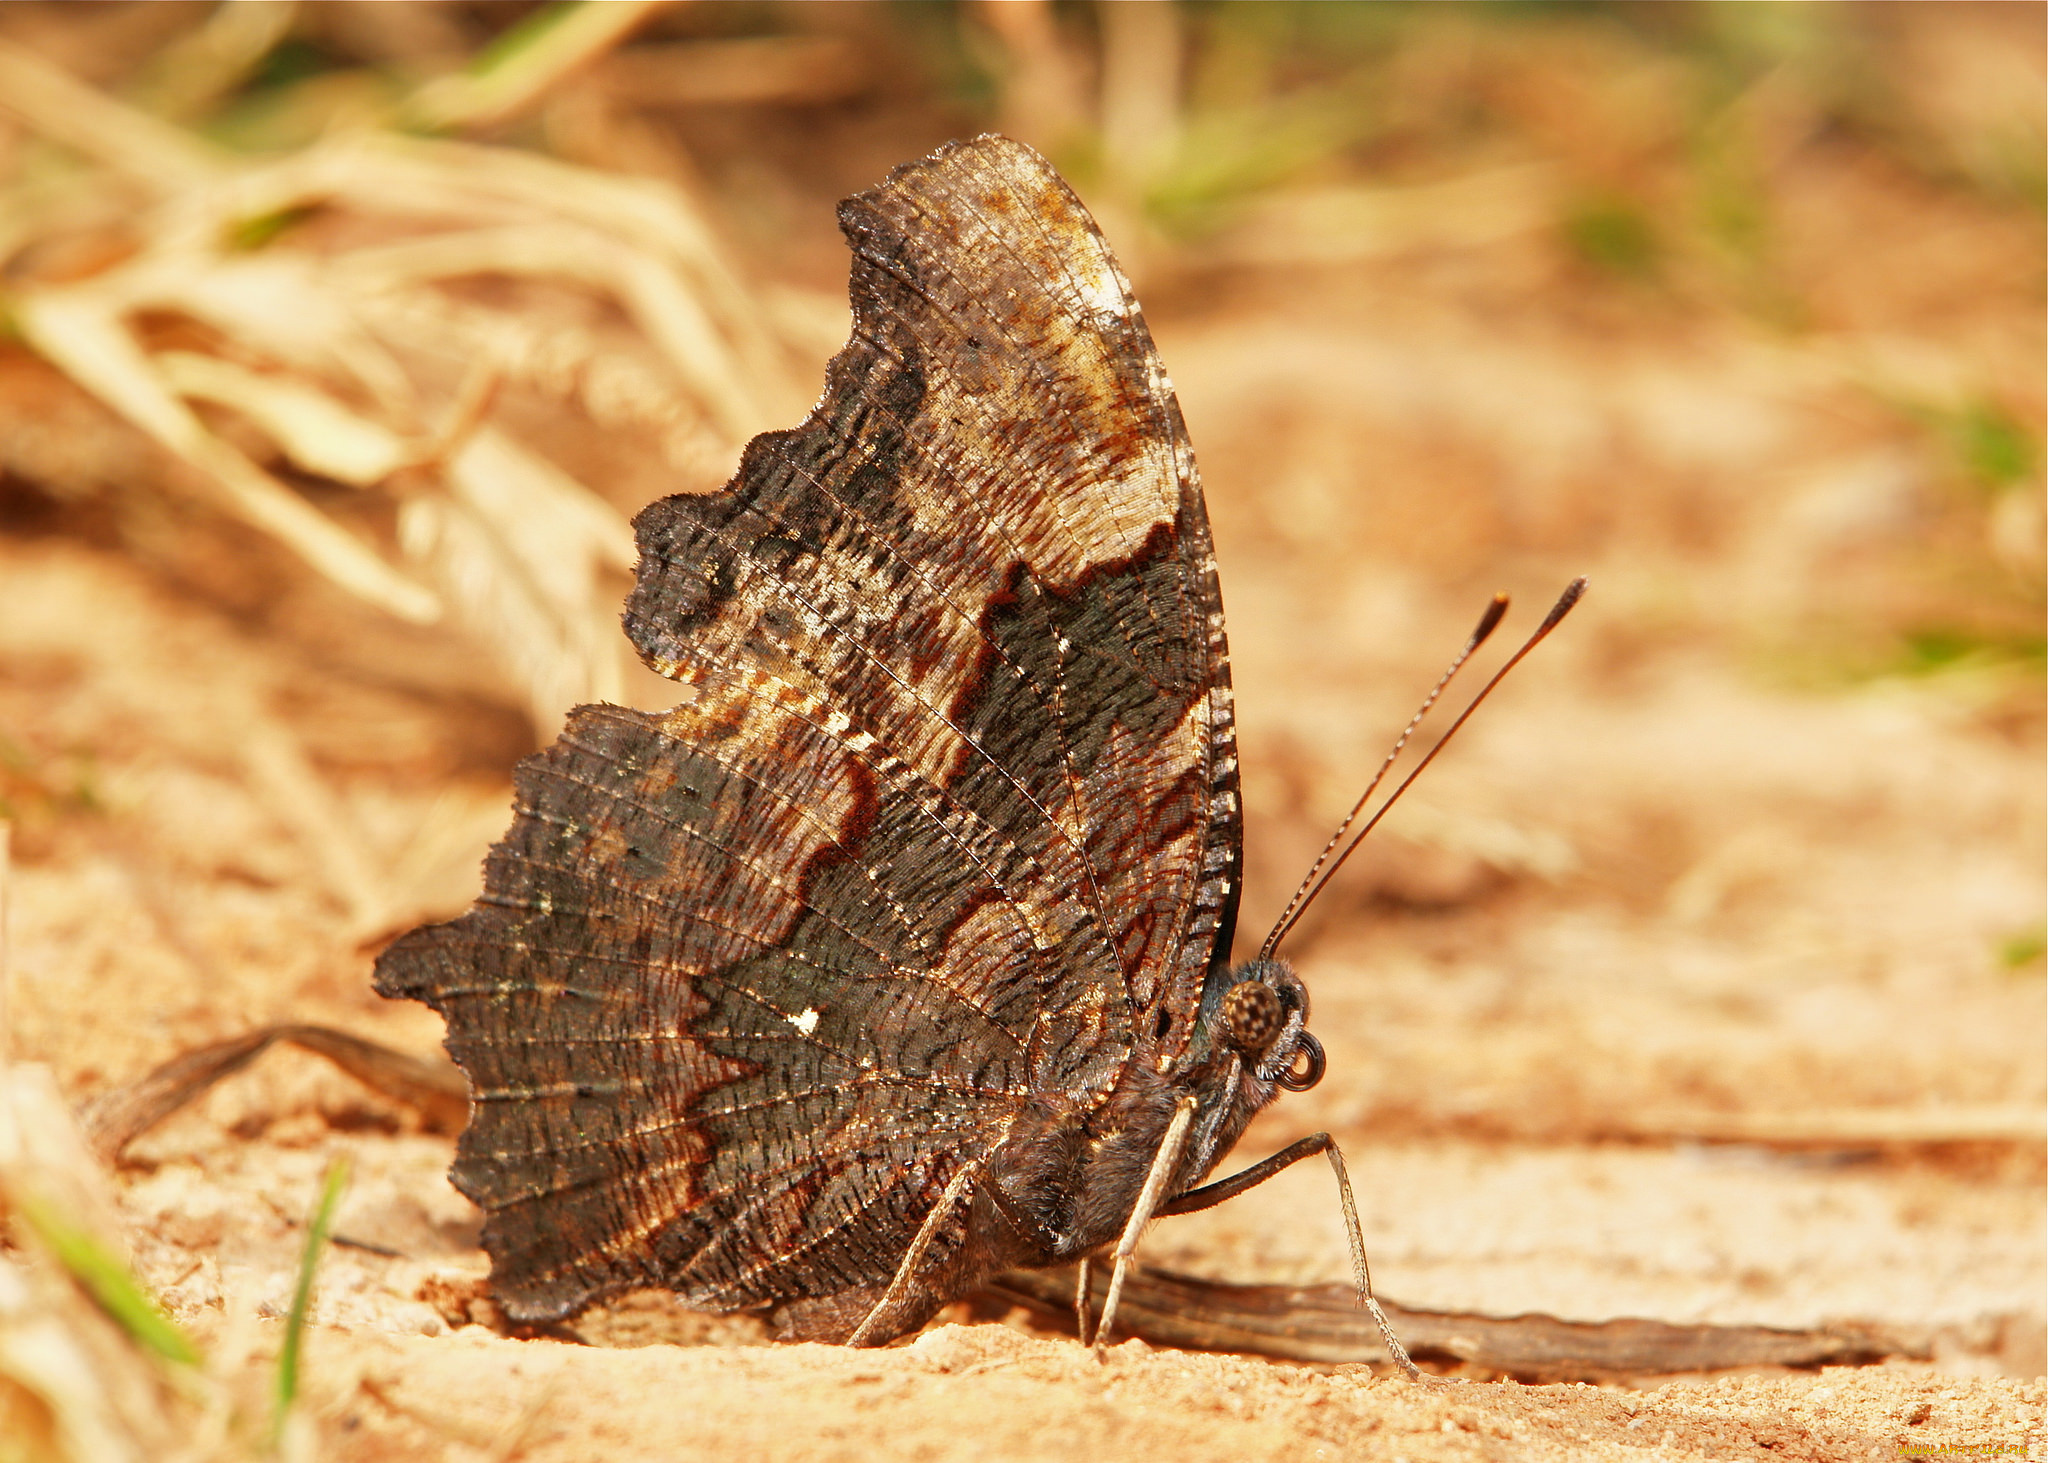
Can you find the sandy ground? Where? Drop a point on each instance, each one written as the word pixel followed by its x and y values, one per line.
pixel 1694 984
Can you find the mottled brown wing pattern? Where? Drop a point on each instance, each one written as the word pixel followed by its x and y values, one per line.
pixel 949 823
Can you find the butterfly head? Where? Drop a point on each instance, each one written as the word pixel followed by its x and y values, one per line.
pixel 1259 1012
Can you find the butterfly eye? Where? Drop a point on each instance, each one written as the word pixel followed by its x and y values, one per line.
pixel 1252 1016
pixel 1300 1079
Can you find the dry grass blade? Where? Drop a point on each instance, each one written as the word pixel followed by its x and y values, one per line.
pixel 299 798
pixel 119 1117
pixel 82 335
pixel 665 310
pixel 317 348
pixel 203 65
pixel 313 428
pixel 651 218
pixel 1323 1323
pixel 519 544
pixel 66 111
pixel 526 63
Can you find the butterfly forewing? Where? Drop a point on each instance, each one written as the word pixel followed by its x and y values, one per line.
pixel 948 821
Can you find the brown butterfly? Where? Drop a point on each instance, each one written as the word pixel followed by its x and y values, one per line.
pixel 896 955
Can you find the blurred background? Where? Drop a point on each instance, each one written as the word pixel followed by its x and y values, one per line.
pixel 1704 979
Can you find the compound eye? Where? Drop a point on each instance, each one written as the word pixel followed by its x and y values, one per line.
pixel 1252 1016
pixel 1301 1079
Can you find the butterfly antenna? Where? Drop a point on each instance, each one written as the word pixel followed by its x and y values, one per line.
pixel 1488 623
pixel 1325 867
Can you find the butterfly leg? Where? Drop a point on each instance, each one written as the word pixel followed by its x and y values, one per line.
pixel 1083 1273
pixel 914 1256
pixel 1164 1162
pixel 1210 1195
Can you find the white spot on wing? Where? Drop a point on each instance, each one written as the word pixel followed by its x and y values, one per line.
pixel 807 1022
pixel 1102 293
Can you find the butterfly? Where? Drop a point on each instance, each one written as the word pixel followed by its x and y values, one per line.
pixel 896 954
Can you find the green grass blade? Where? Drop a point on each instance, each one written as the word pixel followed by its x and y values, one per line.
pixel 107 1281
pixel 302 1293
